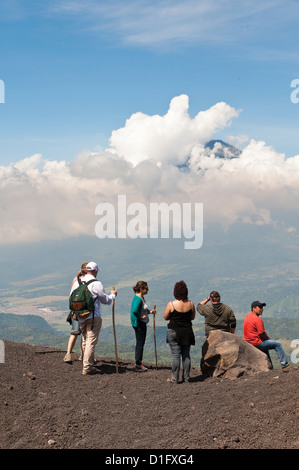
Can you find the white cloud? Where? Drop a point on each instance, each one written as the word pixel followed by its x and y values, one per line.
pixel 260 186
pixel 42 199
pixel 238 140
pixel 169 138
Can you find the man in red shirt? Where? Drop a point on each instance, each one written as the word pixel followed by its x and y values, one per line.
pixel 255 334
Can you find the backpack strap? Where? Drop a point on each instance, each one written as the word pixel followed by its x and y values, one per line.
pixel 87 284
pixel 91 280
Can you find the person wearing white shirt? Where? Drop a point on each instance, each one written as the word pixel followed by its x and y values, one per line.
pixel 90 326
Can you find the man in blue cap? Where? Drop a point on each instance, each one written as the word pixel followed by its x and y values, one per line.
pixel 255 334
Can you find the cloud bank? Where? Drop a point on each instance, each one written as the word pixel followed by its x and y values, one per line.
pixel 151 159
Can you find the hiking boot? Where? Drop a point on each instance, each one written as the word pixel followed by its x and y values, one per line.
pixel 90 372
pixel 141 367
pixel 67 357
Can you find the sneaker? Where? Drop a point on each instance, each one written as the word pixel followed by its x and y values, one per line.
pixel 172 381
pixel 67 357
pixel 286 368
pixel 141 367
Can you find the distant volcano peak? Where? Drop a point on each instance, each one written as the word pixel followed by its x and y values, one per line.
pixel 222 149
pixel 217 148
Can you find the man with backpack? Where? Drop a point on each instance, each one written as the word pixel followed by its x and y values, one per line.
pixel 86 298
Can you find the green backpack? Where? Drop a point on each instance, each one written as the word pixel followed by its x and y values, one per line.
pixel 81 302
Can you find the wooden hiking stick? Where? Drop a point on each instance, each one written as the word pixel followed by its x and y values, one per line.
pixel 155 335
pixel 114 332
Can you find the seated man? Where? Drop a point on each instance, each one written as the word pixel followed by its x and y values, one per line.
pixel 255 334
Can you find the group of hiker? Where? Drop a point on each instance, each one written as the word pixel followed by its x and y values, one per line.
pixel 87 294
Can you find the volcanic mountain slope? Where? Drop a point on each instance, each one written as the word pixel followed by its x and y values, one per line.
pixel 48 404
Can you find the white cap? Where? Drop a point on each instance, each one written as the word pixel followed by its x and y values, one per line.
pixel 91 266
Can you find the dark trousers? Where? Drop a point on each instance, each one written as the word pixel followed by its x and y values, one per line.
pixel 178 352
pixel 140 334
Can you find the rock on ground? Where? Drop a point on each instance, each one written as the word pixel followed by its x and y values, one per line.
pixel 228 355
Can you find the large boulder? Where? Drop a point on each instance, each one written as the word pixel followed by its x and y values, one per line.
pixel 228 355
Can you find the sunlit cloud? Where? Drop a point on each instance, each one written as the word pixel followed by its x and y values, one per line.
pixel 169 138
pixel 152 159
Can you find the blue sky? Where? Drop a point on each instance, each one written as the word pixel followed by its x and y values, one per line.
pixel 75 71
pixel 105 98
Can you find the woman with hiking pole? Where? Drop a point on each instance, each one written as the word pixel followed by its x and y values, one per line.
pixel 75 331
pixel 139 319
pixel 180 312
